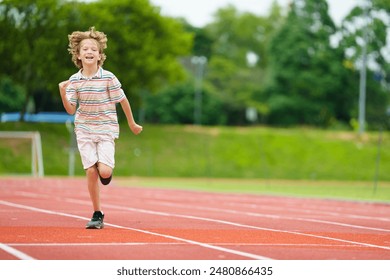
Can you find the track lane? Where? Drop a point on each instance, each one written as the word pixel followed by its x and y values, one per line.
pixel 242 223
pixel 109 234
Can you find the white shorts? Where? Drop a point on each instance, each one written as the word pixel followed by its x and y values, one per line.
pixel 95 148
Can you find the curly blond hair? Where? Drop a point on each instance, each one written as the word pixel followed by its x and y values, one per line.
pixel 75 40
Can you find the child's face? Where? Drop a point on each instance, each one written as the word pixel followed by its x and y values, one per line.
pixel 89 52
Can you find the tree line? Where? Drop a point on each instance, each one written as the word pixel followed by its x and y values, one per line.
pixel 293 66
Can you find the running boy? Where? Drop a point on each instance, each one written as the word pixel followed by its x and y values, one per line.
pixel 96 91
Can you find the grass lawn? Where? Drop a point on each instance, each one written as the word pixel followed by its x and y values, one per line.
pixel 295 161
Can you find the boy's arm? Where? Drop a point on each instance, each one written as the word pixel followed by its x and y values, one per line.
pixel 70 108
pixel 135 128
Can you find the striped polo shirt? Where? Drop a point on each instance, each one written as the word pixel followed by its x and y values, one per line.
pixel 96 98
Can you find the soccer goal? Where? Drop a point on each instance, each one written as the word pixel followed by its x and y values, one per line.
pixel 36 148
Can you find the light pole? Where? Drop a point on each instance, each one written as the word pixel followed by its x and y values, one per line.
pixel 199 62
pixel 363 75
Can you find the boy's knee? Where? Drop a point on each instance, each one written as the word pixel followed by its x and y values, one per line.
pixel 92 171
pixel 104 170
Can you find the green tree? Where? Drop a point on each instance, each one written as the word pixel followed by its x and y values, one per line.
pixel 306 78
pixel 202 41
pixel 31 32
pixel 238 59
pixel 143 46
pixel 237 35
pixel 11 96
pixel 175 104
pixel 369 24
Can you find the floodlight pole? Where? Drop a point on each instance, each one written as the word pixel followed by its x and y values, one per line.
pixel 363 77
pixel 199 62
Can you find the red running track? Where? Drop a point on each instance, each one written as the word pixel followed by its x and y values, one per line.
pixel 45 218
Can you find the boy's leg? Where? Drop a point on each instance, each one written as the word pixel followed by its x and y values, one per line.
pixel 93 187
pixel 88 152
pixel 94 193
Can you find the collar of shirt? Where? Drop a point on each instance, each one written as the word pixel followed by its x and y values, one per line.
pixel 97 75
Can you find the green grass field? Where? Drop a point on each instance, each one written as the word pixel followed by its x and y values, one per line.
pixel 299 161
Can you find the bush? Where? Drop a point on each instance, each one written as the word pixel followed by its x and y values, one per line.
pixel 175 105
pixel 11 96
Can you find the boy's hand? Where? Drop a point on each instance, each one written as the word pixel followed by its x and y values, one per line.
pixel 63 85
pixel 136 129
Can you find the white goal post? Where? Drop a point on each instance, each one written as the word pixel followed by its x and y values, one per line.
pixel 36 148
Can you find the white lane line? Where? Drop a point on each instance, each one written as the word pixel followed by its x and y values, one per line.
pixel 16 253
pixel 271 216
pixel 310 211
pixel 285 207
pixel 251 205
pixel 255 206
pixel 92 244
pixel 151 212
pixel 204 245
pixel 316 245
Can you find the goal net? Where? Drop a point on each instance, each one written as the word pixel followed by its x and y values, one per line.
pixel 34 139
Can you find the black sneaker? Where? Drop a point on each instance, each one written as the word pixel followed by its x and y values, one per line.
pixel 97 221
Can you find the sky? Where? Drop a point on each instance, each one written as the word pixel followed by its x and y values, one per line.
pixel 200 12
